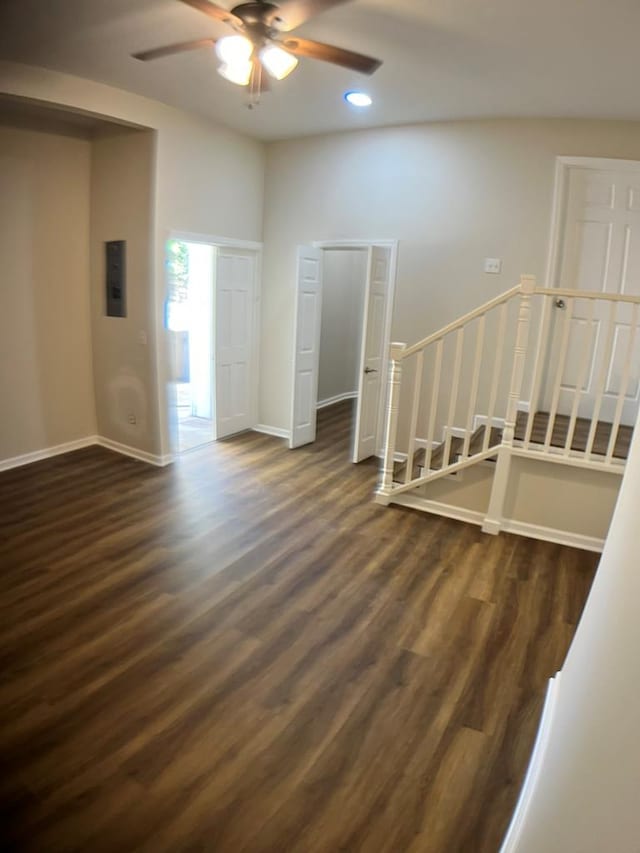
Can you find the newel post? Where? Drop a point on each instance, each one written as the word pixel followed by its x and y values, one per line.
pixel 493 520
pixel 528 286
pixel 391 426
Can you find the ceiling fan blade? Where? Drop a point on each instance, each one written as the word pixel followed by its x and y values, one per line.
pixel 329 53
pixel 157 52
pixel 215 12
pixel 292 13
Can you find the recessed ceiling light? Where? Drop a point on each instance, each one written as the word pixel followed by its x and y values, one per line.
pixel 358 99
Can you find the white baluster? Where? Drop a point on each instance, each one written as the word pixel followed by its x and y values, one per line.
pixel 393 405
pixel 586 359
pixel 624 384
pixel 454 396
pixel 495 513
pixel 473 396
pixel 497 372
pixel 528 284
pixel 557 383
pixel 602 378
pixel 435 391
pixel 415 407
pixel 538 370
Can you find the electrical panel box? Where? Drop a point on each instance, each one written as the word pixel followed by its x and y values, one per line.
pixel 116 278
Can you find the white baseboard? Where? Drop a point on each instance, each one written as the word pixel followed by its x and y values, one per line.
pixel 459 513
pixel 551 534
pixel 47 452
pixel 133 452
pixel 521 528
pixel 532 778
pixel 271 430
pixel 339 398
pixel 78 444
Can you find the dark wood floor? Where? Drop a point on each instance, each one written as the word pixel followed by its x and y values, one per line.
pixel 244 653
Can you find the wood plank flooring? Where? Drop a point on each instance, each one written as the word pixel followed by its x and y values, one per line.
pixel 243 653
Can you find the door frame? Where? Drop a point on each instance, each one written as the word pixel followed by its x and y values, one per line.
pixel 563 163
pixel 229 243
pixel 392 245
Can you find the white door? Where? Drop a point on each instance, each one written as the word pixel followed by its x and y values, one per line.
pixel 600 251
pixel 307 346
pixel 234 345
pixel 370 383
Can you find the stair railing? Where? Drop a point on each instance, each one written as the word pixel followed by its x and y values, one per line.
pixel 450 419
pixel 469 329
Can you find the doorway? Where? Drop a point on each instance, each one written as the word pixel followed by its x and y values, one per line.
pixel 190 320
pixel 595 248
pixel 211 315
pixel 344 296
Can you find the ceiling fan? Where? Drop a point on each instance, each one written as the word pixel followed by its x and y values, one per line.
pixel 261 43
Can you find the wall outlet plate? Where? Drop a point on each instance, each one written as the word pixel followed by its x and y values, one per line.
pixel 493 266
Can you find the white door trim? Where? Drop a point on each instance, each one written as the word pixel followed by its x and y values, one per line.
pixel 600 163
pixel 226 243
pixel 216 240
pixel 563 164
pixel 388 311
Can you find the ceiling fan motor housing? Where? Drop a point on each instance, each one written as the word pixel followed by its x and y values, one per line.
pixel 257 14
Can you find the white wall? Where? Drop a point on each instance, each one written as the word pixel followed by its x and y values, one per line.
pixel 586 797
pixel 46 387
pixel 208 180
pixel 343 283
pixel 452 193
pixel 122 178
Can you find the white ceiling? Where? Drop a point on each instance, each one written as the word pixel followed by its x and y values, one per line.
pixel 443 59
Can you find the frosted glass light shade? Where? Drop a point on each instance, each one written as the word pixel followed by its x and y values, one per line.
pixel 278 62
pixel 236 72
pixel 234 49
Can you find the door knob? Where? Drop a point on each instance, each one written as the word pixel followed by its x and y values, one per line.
pixel 370 370
pixel 560 303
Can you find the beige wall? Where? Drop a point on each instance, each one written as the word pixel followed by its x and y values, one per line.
pixel 343 281
pixel 46 388
pixel 452 193
pixel 122 179
pixel 209 180
pixel 560 498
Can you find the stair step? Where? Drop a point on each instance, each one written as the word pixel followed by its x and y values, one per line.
pixel 437 457
pixel 538 433
pixel 580 436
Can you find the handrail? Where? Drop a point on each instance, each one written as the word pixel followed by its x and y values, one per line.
pixel 504 297
pixel 461 321
pixel 587 294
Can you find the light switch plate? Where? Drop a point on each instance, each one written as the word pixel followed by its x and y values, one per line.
pixel 493 265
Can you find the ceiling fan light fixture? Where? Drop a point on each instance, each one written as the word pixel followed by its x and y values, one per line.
pixel 278 62
pixel 234 50
pixel 358 99
pixel 235 54
pixel 236 72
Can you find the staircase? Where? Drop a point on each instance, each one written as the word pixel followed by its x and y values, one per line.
pixel 559 435
pixel 479 391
